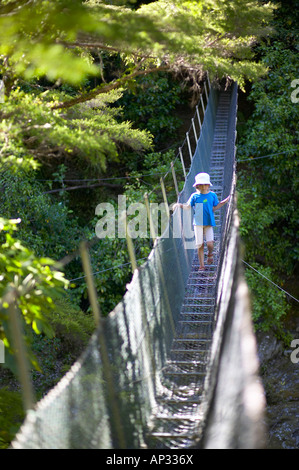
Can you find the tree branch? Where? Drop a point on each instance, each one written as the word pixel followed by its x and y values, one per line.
pixel 90 45
pixel 108 87
pixel 71 188
pixel 13 7
pixel 104 47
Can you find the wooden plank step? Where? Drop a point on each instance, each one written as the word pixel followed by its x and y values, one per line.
pixel 196 305
pixel 186 401
pixel 196 322
pixel 185 374
pixel 167 435
pixel 185 363
pixel 198 314
pixel 188 351
pixel 192 340
pixel 189 417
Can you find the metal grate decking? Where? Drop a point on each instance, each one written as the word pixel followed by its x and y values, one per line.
pixel 176 419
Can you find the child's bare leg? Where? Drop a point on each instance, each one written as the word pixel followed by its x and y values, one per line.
pixel 210 246
pixel 200 256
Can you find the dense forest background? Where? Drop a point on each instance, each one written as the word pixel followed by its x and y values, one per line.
pixel 91 110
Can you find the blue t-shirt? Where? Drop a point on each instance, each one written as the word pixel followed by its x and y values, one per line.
pixel 203 208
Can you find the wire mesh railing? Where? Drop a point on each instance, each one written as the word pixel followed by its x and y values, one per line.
pixel 179 409
pixel 107 398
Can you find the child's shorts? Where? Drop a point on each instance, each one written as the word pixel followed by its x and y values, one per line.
pixel 202 231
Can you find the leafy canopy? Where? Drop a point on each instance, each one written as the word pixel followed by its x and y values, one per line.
pixel 64 42
pixel 27 280
pixel 71 41
pixel 269 185
pixel 89 132
pixel 52 38
pixel 268 173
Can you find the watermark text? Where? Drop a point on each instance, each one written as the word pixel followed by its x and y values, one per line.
pixel 111 223
pixel 2 91
pixel 295 93
pixel 295 353
pixel 2 352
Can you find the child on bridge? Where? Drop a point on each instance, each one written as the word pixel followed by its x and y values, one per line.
pixel 204 202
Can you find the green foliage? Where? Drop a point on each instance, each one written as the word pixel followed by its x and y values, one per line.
pixel 31 282
pixel 147 178
pixel 269 234
pixel 55 355
pixel 109 256
pixel 274 111
pixel 151 104
pixel 220 33
pixel 51 39
pixel 269 304
pixel 112 271
pixel 88 132
pixel 33 40
pixel 11 416
pixel 268 178
pixel 269 186
pixel 45 224
pixel 71 326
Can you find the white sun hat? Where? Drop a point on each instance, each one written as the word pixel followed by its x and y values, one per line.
pixel 202 178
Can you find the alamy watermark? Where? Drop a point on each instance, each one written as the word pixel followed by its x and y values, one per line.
pixel 295 93
pixel 2 91
pixel 295 353
pixel 2 352
pixel 111 223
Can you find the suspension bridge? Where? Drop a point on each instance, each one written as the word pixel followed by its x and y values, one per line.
pixel 174 365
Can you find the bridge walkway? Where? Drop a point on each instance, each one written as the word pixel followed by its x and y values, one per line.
pixel 176 418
